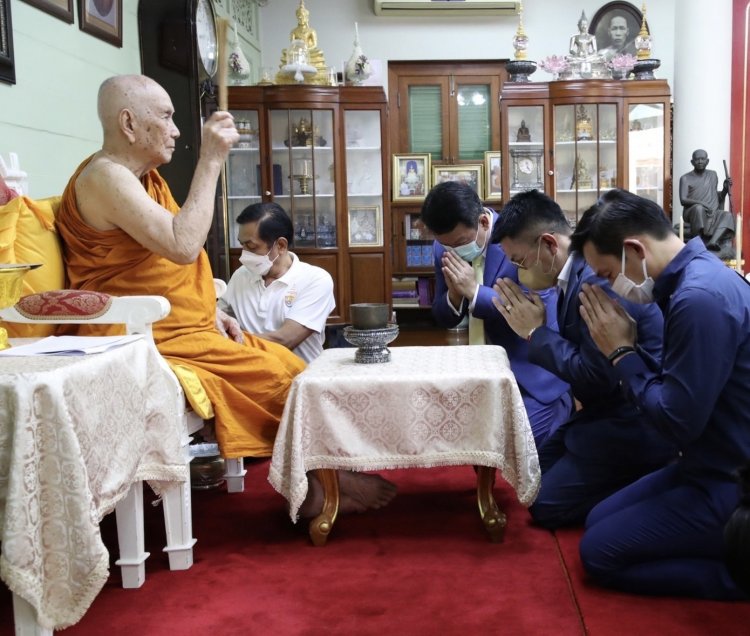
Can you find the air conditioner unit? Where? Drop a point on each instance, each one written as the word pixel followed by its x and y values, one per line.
pixel 454 8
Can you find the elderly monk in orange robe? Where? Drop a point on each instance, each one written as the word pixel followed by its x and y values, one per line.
pixel 123 233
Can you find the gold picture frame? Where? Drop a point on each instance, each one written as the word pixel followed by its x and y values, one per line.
pixel 365 226
pixel 411 176
pixel 468 173
pixel 493 168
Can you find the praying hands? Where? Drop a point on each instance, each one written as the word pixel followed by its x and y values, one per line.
pixel 609 324
pixel 522 313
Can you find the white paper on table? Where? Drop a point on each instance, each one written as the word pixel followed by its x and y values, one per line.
pixel 70 345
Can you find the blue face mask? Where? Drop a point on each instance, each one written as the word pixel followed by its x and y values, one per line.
pixel 469 251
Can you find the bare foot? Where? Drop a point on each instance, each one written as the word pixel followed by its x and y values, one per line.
pixel 313 503
pixel 361 491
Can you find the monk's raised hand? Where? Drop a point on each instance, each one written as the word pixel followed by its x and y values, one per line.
pixel 219 135
pixel 609 324
pixel 523 314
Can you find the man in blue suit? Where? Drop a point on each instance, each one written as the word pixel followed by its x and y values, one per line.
pixel 607 444
pixel 466 266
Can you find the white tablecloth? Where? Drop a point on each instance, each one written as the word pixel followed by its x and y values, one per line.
pixel 428 406
pixel 75 433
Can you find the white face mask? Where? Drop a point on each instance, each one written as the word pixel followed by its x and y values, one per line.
pixel 627 289
pixel 258 264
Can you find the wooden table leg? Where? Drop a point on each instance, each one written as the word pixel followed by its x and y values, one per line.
pixel 321 526
pixel 492 517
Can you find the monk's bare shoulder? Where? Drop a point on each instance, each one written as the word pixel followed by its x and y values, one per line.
pixel 101 188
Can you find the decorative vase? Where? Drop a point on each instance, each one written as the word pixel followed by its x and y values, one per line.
pixel 358 68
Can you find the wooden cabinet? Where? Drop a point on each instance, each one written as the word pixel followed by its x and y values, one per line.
pixel 577 139
pixel 450 110
pixel 320 153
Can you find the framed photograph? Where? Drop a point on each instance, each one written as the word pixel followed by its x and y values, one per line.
pixel 411 175
pixel 7 66
pixel 62 9
pixel 615 27
pixel 493 169
pixel 102 19
pixel 365 226
pixel 470 174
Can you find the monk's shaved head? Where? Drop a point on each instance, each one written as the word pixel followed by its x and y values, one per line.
pixel 134 92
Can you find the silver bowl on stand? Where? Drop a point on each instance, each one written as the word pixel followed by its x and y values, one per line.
pixel 372 344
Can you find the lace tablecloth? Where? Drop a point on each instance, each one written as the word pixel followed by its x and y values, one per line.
pixel 428 406
pixel 75 433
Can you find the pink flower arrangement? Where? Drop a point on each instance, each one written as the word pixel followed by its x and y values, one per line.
pixel 622 62
pixel 554 64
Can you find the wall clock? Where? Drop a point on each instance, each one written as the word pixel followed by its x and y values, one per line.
pixel 206 37
pixel 526 169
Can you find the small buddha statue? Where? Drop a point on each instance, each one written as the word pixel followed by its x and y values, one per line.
pixel 582 178
pixel 584 127
pixel 523 133
pixel 305 34
pixel 583 43
pixel 583 58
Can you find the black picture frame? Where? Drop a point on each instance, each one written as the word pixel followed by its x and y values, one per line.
pixel 102 19
pixel 7 64
pixel 62 9
pixel 599 25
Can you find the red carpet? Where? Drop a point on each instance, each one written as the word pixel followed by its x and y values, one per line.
pixel 424 565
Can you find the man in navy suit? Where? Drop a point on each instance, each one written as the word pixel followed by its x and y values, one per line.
pixel 466 266
pixel 606 444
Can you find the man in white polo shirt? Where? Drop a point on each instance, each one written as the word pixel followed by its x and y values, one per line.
pixel 274 295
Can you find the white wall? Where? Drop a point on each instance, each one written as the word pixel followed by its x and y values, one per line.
pixel 548 23
pixel 49 116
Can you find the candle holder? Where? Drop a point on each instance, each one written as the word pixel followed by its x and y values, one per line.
pixel 304 182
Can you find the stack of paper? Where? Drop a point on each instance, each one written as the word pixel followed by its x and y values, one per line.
pixel 70 345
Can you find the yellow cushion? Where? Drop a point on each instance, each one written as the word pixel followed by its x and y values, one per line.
pixel 28 235
pixel 194 391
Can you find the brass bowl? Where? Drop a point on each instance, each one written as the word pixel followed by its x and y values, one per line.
pixel 11 281
pixel 369 315
pixel 206 467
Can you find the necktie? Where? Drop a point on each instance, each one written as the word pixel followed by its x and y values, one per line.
pixel 476 325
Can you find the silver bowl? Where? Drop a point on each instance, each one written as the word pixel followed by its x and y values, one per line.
pixel 370 315
pixel 371 343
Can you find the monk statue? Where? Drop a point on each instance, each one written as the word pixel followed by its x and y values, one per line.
pixel 304 33
pixel 703 207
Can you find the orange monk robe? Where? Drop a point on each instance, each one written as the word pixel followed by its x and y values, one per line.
pixel 246 383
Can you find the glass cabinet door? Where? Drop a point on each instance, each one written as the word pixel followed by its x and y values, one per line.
pixel 244 183
pixel 364 180
pixel 526 148
pixel 303 173
pixel 646 151
pixel 585 142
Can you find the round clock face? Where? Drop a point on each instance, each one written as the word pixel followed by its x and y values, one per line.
pixel 205 31
pixel 525 165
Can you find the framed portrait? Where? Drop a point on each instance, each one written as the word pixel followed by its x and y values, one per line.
pixel 493 169
pixel 102 19
pixel 365 226
pixel 62 9
pixel 615 26
pixel 411 176
pixel 468 173
pixel 7 65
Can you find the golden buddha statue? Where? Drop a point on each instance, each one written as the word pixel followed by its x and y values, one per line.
pixel 305 34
